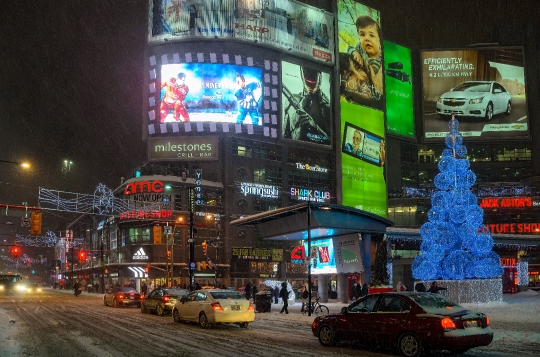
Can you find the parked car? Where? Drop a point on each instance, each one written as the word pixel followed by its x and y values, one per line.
pixel 122 296
pixel 214 306
pixel 482 99
pixel 410 322
pixel 162 300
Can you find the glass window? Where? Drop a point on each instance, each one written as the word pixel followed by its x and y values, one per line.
pixel 145 234
pixel 366 304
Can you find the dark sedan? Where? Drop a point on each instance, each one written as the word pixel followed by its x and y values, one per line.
pixel 412 323
pixel 162 300
pixel 122 296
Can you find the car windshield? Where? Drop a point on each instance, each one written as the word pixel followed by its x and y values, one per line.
pixel 226 295
pixel 435 303
pixel 126 290
pixel 176 292
pixel 473 87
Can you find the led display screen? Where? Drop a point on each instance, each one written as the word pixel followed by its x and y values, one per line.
pixel 192 92
pixel 322 256
pixel 399 90
pixel 484 89
pixel 363 154
pixel 360 54
pixel 306 107
pixel 283 24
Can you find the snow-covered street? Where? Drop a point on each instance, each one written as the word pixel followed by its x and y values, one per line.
pixel 58 324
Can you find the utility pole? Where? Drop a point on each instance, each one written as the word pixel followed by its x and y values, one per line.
pixel 191 203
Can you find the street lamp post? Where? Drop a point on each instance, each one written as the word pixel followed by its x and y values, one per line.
pixel 22 164
pixel 191 237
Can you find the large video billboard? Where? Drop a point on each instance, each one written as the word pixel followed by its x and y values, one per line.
pixel 306 110
pixel 193 92
pixel 323 260
pixel 284 24
pixel 399 90
pixel 362 91
pixel 484 89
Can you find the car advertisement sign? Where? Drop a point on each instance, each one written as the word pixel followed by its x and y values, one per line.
pixel 484 88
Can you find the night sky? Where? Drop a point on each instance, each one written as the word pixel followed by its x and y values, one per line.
pixel 71 86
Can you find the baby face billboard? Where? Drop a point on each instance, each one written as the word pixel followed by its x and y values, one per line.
pixel 484 88
pixel 399 90
pixel 210 92
pixel 306 104
pixel 360 54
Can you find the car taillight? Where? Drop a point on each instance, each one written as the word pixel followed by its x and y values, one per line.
pixel 487 321
pixel 448 323
pixel 217 306
pixel 166 299
pixel 251 308
pixel 121 296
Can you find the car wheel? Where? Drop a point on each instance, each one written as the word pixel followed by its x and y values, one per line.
pixel 489 111
pixel 115 303
pixel 176 315
pixel 203 321
pixel 243 324
pixel 508 108
pixel 159 310
pixel 143 309
pixel 409 345
pixel 327 336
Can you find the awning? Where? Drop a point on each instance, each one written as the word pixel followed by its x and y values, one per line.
pixel 326 220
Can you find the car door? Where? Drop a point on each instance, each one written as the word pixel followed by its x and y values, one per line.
pixel 151 300
pixel 393 312
pixel 202 305
pixel 187 308
pixel 355 325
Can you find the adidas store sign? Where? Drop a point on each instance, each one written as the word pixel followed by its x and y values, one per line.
pixel 140 254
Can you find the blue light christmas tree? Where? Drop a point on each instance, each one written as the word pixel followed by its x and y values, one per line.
pixel 456 245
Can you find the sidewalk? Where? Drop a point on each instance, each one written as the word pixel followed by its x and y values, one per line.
pixel 294 311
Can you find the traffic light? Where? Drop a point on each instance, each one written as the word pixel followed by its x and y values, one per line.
pixel 204 247
pixel 35 223
pixel 15 252
pixel 158 234
pixel 147 268
pixel 168 255
pixel 82 256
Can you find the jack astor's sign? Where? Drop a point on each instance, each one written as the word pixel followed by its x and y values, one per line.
pixel 200 148
pixel 507 202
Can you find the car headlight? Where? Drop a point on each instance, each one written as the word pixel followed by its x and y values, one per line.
pixel 39 290
pixel 21 288
pixel 476 100
pixel 1 287
pixel 440 100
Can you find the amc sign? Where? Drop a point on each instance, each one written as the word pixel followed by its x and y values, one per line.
pixel 143 186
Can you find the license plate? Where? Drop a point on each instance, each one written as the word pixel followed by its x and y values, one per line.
pixel 471 323
pixel 235 307
pixel 131 298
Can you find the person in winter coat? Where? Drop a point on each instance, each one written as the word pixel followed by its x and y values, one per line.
pixel 435 288
pixel 365 290
pixel 420 287
pixel 284 295
pixel 276 295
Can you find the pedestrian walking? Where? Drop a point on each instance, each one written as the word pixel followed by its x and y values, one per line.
pixel 284 294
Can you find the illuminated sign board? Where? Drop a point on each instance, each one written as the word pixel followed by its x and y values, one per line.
pixel 362 99
pixel 514 227
pixel 298 255
pixel 259 190
pixel 200 148
pixel 144 200
pixel 143 186
pixel 484 88
pixel 304 194
pixel 508 262
pixel 283 24
pixel 322 258
pixel 505 202
pixel 308 167
pixel 145 214
pixel 212 92
pixel 140 254
pixel 398 89
pixel 275 255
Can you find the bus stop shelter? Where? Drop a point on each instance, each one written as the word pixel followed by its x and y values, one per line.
pixel 311 221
